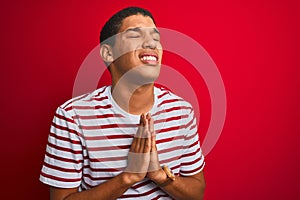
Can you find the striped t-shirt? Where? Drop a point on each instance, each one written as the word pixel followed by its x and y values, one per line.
pixel 91 135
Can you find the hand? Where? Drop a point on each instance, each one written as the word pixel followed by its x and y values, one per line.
pixel 139 154
pixel 142 157
pixel 155 173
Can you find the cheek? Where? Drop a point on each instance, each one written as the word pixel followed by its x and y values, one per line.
pixel 128 45
pixel 126 51
pixel 127 60
pixel 160 51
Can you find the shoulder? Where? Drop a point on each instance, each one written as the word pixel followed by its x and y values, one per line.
pixel 166 97
pixel 87 100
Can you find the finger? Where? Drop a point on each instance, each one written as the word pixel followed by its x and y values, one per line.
pixel 138 136
pixel 133 145
pixel 153 142
pixel 144 134
pixel 152 132
pixel 140 129
pixel 146 122
pixel 147 146
pixel 151 123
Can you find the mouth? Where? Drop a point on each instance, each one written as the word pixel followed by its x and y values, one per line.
pixel 149 58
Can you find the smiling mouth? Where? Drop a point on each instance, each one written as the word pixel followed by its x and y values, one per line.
pixel 149 59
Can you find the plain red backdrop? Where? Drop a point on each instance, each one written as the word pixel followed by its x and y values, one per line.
pixel 255 45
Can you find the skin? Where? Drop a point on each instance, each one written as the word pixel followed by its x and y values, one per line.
pixel 137 99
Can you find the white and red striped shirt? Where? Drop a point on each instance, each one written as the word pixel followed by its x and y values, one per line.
pixel 91 135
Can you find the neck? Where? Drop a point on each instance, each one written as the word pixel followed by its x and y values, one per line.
pixel 134 99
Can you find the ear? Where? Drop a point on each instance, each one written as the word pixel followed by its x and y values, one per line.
pixel 106 53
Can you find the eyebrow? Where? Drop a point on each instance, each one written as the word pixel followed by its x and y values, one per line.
pixel 139 29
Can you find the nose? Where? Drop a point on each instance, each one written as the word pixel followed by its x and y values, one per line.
pixel 149 42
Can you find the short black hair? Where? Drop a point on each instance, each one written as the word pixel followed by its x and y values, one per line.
pixel 112 26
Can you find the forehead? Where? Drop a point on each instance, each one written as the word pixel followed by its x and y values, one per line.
pixel 136 21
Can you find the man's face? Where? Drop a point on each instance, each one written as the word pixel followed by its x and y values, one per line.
pixel 138 47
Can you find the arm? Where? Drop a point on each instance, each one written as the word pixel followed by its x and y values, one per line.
pixel 191 187
pixel 188 187
pixel 138 162
pixel 111 189
pixel 183 187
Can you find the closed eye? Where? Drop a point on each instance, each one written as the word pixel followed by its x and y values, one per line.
pixel 133 32
pixel 133 36
pixel 156 37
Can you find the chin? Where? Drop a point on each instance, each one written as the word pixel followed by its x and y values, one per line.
pixel 150 79
pixel 143 75
pixel 150 73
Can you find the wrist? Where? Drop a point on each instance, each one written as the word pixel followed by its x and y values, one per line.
pixel 161 177
pixel 170 176
pixel 128 179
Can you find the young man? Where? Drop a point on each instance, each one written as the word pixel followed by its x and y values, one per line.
pixel 130 140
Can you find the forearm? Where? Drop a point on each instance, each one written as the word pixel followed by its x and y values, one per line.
pixel 186 188
pixel 111 189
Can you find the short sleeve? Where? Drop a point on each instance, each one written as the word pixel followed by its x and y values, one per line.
pixel 192 160
pixel 64 153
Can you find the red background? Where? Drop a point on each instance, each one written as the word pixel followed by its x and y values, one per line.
pixel 255 45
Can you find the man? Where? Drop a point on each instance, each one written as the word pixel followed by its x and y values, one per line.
pixel 130 140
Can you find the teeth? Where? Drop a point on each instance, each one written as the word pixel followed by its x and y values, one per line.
pixel 149 58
